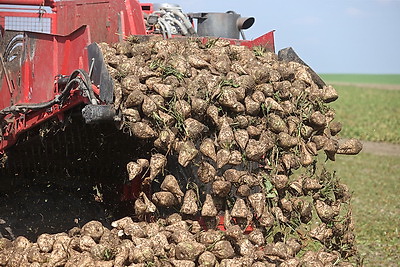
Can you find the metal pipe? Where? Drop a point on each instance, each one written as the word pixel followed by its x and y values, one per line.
pixel 28 2
pixel 183 27
pixel 163 30
pixel 166 25
pixel 242 34
pixel 185 20
pixel 10 88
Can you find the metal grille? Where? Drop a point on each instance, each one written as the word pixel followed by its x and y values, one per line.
pixel 28 24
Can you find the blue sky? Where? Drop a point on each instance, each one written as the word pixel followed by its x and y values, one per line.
pixel 332 36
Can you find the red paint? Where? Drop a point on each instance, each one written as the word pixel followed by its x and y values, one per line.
pixel 266 40
pixel 102 17
pixel 28 2
pixel 221 225
pixel 43 57
pixel 38 76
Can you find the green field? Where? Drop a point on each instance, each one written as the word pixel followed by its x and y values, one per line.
pixel 362 78
pixel 368 114
pixel 374 115
pixel 374 181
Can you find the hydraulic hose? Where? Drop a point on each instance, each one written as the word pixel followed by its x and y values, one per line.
pixel 86 80
pixel 163 30
pixel 185 20
pixel 83 82
pixel 183 28
pixel 166 26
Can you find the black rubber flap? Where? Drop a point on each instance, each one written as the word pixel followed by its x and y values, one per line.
pixel 98 113
pixel 99 75
pixel 288 54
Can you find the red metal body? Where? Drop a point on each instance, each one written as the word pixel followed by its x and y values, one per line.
pixel 28 2
pixel 32 62
pixel 44 57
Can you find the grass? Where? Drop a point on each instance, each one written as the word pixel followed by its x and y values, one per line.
pixel 374 181
pixel 373 115
pixel 369 114
pixel 362 78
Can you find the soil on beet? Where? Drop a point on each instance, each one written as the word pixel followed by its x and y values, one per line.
pixel 276 159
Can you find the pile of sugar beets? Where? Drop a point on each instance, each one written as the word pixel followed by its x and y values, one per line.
pixel 233 178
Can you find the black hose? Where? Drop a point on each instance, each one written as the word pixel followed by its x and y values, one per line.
pixel 23 108
pixel 86 81
pixel 73 79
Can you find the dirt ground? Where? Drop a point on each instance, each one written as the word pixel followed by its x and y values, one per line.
pixel 382 149
pixel 370 85
pixel 377 148
pixel 34 209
